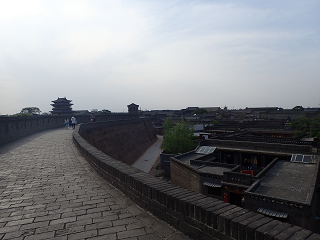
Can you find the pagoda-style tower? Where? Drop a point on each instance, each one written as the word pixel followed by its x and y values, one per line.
pixel 62 106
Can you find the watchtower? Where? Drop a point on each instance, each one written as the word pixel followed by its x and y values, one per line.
pixel 62 106
pixel 133 108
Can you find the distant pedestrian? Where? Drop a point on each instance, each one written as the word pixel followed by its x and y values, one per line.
pixel 66 123
pixel 74 122
pixel 70 122
pixel 93 118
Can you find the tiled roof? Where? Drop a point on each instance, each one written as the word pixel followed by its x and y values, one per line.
pixel 211 184
pixel 192 108
pixel 289 181
pixel 272 213
pixel 132 104
pixel 64 100
pixel 212 109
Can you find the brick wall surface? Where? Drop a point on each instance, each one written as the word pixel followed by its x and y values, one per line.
pixel 185 177
pixel 126 141
pixel 12 128
pixel 196 215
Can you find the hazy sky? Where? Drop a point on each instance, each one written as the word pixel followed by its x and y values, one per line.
pixel 159 54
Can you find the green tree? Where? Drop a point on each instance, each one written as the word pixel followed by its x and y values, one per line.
pixel 179 138
pixel 168 124
pixel 297 108
pixel 31 110
pixel 306 126
pixel 214 122
pixel 315 127
pixel 301 126
pixel 22 115
pixel 105 111
pixel 200 111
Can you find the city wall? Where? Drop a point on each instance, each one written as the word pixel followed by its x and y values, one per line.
pixel 196 215
pixel 12 128
pixel 124 140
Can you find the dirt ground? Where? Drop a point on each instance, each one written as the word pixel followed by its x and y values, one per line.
pixel 156 168
pixel 157 171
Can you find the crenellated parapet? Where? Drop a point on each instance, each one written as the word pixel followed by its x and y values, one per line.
pixel 13 128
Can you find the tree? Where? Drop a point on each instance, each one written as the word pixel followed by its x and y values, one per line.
pixel 214 122
pixel 104 111
pixel 300 126
pixel 200 111
pixel 21 115
pixel 31 110
pixel 297 108
pixel 179 138
pixel 315 127
pixel 168 124
pixel 304 125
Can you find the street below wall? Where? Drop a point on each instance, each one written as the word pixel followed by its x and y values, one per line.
pixel 148 159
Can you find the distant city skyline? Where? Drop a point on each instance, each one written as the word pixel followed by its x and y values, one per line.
pixel 159 55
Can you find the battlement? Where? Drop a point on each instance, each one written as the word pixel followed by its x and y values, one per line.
pixel 13 128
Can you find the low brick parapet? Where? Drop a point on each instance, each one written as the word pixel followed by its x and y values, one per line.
pixel 13 128
pixel 194 214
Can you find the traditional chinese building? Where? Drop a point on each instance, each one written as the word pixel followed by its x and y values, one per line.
pixel 62 106
pixel 264 171
pixel 133 108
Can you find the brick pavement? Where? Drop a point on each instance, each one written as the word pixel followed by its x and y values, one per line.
pixel 49 191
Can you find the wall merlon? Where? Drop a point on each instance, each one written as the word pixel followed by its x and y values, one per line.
pixel 242 228
pixel 217 212
pixel 235 223
pixel 314 236
pixel 288 233
pixel 226 220
pixel 221 218
pixel 269 235
pixel 204 212
pixel 200 207
pixel 251 228
pixel 209 211
pixel 302 234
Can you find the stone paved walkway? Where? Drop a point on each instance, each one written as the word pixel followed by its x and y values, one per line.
pixel 49 191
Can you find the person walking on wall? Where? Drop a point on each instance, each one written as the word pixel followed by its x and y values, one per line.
pixel 74 122
pixel 66 123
